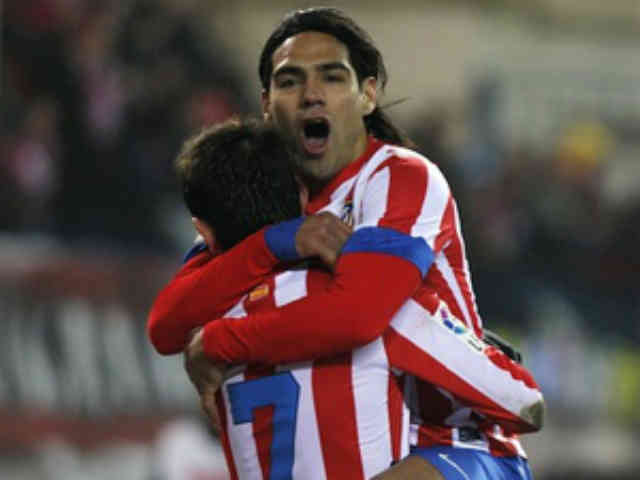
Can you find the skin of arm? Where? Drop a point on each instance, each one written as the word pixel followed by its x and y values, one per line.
pixel 410 468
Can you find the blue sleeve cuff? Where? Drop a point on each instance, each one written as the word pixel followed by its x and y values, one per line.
pixel 281 239
pixel 195 250
pixel 391 242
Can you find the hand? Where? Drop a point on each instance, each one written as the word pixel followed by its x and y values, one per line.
pixel 322 235
pixel 205 375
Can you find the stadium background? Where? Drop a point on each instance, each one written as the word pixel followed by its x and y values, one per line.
pixel 532 110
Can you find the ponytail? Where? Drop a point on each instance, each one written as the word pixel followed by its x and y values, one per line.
pixel 379 125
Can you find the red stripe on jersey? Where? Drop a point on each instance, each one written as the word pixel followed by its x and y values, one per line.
pixel 456 257
pixel 447 226
pixel 263 435
pixel 499 445
pixel 408 179
pixel 516 370
pixel 437 282
pixel 224 435
pixel 262 416
pixel 336 414
pixel 396 397
pixel 262 424
pixel 324 196
pixel 434 435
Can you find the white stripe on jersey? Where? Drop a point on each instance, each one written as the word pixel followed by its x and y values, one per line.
pixel 379 184
pixel 241 441
pixel 290 286
pixel 430 335
pixel 338 197
pixel 442 264
pixel 466 270
pixel 237 310
pixel 406 422
pixel 433 206
pixel 359 189
pixel 370 373
pixel 308 460
pixel 245 454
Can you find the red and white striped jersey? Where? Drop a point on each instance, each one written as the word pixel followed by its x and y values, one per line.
pixel 333 418
pixel 345 417
pixel 400 189
pixel 354 401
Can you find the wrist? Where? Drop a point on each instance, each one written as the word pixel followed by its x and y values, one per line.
pixel 281 239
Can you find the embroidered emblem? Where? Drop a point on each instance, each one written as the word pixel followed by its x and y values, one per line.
pixel 259 292
pixel 347 213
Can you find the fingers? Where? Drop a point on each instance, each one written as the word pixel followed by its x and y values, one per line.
pixel 322 235
pixel 209 406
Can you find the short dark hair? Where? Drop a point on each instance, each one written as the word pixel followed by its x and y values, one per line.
pixel 365 57
pixel 238 177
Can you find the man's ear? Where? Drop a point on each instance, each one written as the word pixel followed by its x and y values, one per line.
pixel 206 232
pixel 266 103
pixel 369 95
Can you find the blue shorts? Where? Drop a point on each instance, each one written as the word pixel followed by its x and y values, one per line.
pixel 468 464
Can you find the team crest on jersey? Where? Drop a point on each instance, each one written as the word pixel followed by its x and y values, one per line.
pixel 346 215
pixel 259 292
pixel 460 329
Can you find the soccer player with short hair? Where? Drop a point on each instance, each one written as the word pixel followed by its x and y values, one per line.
pixel 240 170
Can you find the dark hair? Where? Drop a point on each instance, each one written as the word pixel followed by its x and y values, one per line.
pixel 365 57
pixel 238 177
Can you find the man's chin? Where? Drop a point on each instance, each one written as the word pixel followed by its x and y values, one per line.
pixel 316 170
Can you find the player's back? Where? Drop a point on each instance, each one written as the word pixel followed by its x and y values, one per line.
pixel 334 418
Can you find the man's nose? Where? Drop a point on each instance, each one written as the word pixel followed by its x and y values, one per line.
pixel 313 93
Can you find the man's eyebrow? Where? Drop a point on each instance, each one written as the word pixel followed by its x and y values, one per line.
pixel 333 66
pixel 288 69
pixel 323 67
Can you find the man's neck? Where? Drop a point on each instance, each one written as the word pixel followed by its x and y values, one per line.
pixel 316 185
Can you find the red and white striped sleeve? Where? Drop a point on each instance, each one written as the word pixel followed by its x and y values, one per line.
pixel 438 348
pixel 204 288
pixel 406 192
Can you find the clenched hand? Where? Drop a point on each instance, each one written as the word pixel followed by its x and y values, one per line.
pixel 322 235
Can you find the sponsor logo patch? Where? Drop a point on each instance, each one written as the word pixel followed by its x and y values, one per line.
pixel 463 332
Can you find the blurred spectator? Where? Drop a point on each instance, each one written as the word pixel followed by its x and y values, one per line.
pixel 101 94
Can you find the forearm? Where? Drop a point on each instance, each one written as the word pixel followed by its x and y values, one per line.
pixel 353 310
pixel 410 468
pixel 437 349
pixel 205 288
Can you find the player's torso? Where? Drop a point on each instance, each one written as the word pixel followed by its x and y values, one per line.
pixel 449 276
pixel 327 419
pixel 439 418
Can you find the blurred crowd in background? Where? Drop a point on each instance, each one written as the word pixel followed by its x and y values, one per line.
pixel 98 97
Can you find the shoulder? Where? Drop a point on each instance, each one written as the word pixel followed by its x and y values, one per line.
pixel 406 164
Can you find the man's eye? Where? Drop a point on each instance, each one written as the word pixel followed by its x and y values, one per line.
pixel 286 82
pixel 335 78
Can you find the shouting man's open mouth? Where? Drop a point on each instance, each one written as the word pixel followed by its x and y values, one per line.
pixel 315 136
